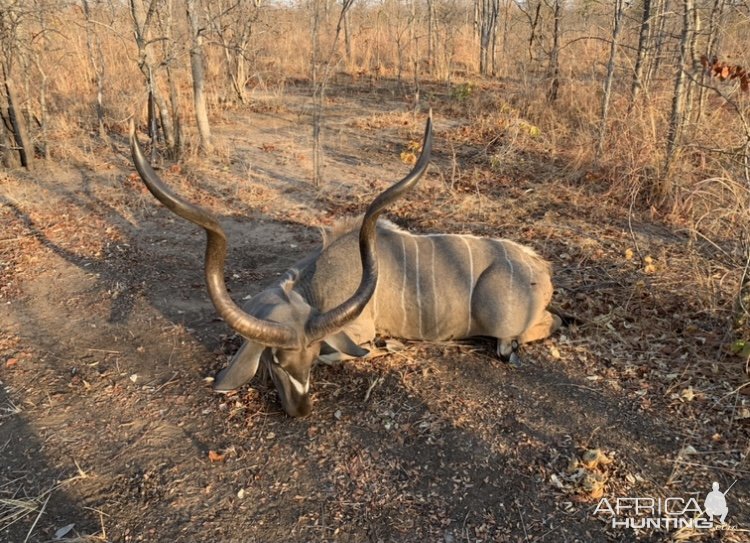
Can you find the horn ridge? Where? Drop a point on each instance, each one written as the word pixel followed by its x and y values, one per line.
pixel 269 333
pixel 319 326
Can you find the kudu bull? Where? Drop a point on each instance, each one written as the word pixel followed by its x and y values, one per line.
pixel 371 277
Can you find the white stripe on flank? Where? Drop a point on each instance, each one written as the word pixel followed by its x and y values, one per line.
pixel 471 283
pixel 419 288
pixel 510 266
pixel 435 312
pixel 403 285
pixel 531 271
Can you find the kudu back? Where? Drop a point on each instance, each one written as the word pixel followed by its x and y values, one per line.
pixel 370 277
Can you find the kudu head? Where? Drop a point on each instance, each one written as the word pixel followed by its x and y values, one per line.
pixel 280 327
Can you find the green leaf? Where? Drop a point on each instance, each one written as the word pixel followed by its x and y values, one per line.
pixel 741 348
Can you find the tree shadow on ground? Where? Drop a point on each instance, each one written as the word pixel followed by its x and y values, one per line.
pixel 36 493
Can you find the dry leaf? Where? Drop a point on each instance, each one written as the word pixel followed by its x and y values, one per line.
pixel 407 157
pixel 687 394
pixel 214 456
pixel 62 532
pixel 593 458
pixel 593 484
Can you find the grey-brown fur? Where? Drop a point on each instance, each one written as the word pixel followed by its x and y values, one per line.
pixel 430 287
pixel 437 287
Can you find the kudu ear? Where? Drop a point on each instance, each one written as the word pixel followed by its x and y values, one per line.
pixel 241 368
pixel 341 342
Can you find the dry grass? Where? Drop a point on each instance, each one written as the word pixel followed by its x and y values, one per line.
pixel 515 111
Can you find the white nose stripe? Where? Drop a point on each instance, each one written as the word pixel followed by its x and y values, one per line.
pixel 298 387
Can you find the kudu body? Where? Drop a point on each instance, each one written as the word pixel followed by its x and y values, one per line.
pixel 372 277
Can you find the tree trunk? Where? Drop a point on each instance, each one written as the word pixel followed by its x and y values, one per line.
pixel 618 9
pixel 506 27
pixel 17 124
pixel 8 157
pixel 317 98
pixel 142 16
pixel 199 77
pixel 714 26
pixel 662 14
pixel 430 37
pixel 534 24
pixel 348 43
pixel 641 53
pixel 487 31
pixel 96 59
pixel 553 69
pixel 171 114
pixel 666 187
pixel 320 81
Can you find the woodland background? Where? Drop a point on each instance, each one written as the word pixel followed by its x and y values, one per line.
pixel 652 93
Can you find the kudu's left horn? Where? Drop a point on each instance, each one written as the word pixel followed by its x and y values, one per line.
pixel 269 333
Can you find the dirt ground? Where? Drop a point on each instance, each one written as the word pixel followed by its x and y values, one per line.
pixel 109 429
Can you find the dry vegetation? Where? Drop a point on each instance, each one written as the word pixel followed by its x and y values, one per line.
pixel 108 430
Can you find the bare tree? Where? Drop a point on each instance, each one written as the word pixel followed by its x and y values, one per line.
pixel 14 17
pixel 96 60
pixel 553 69
pixel 642 51
pixel 169 55
pixel 488 13
pixel 660 37
pixel 431 36
pixel 534 16
pixel 321 71
pixel 617 26
pixel 199 75
pixel 676 118
pixel 400 26
pixel 143 16
pixel 233 24
pixel 447 19
pixel 715 20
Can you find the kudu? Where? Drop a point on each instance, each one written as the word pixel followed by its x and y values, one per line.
pixel 370 277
